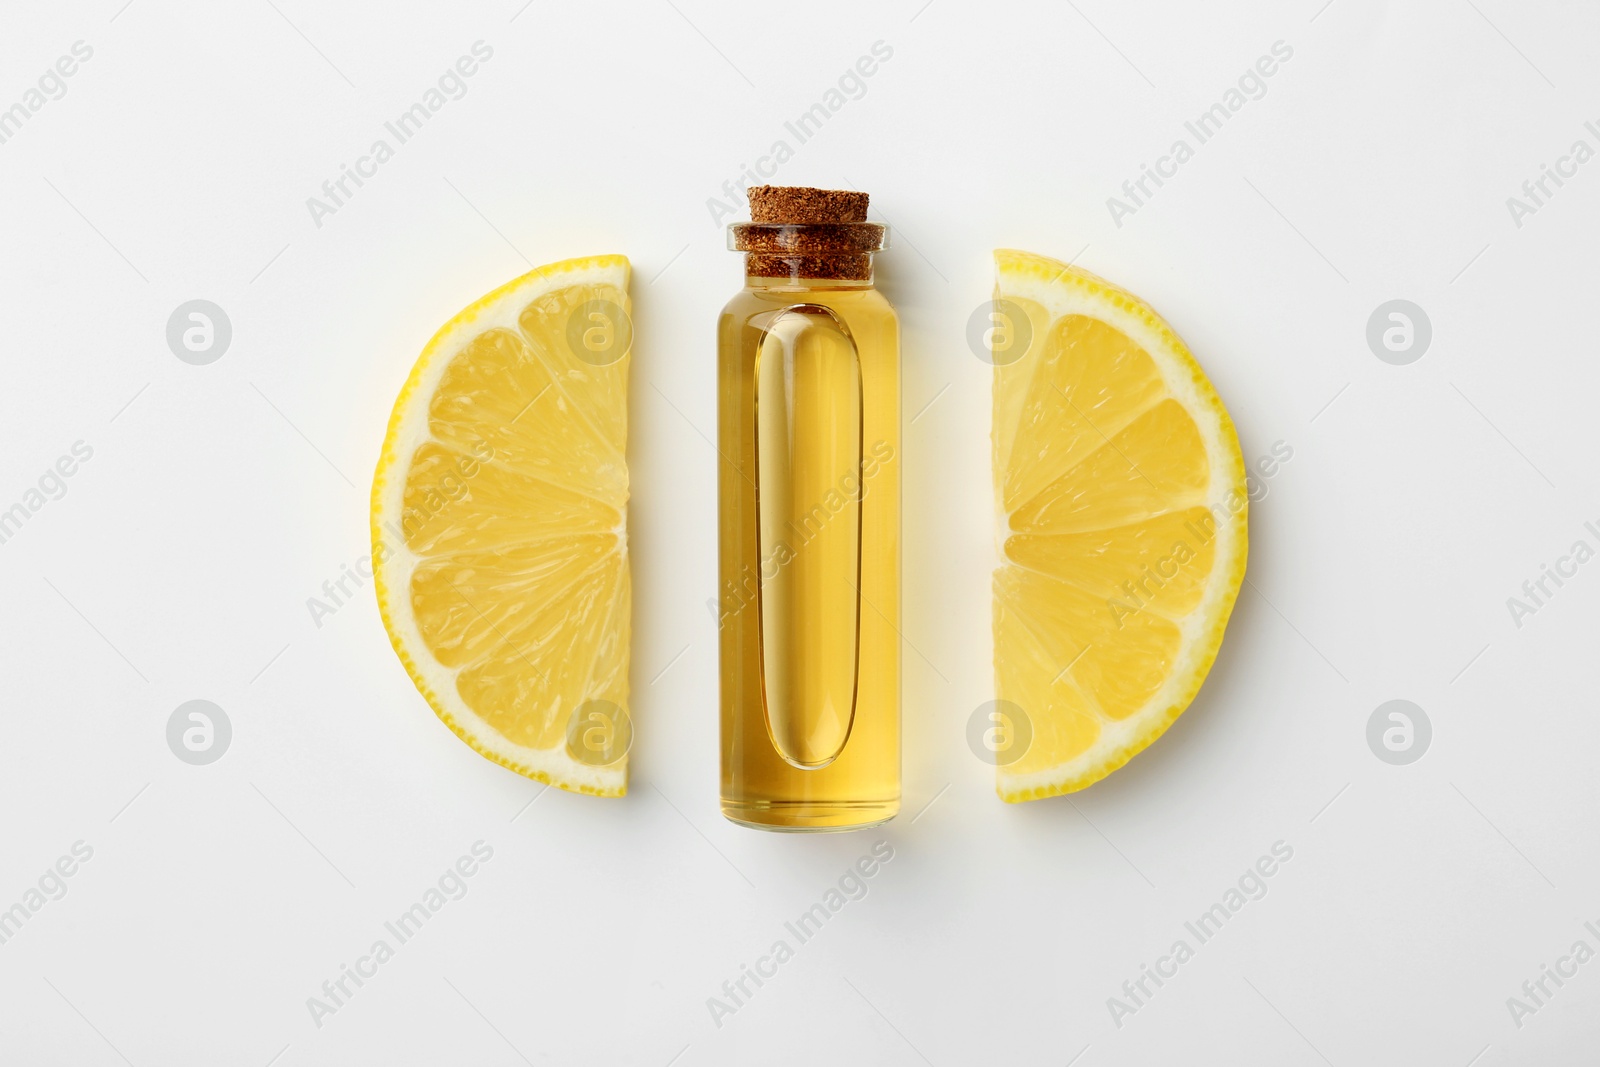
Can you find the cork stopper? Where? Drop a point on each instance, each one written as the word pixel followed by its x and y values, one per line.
pixel 799 203
pixel 799 232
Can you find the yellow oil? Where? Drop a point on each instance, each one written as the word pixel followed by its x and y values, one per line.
pixel 809 594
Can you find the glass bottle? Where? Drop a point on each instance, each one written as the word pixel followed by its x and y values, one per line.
pixel 809 520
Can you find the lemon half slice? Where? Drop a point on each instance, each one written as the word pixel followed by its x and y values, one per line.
pixel 499 525
pixel 1122 502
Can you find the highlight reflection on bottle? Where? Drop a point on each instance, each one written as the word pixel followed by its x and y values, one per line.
pixel 809 491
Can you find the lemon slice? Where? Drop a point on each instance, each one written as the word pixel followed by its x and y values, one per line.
pixel 1122 502
pixel 499 525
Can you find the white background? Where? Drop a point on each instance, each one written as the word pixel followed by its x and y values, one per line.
pixel 220 498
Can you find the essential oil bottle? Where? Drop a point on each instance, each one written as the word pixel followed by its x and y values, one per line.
pixel 808 426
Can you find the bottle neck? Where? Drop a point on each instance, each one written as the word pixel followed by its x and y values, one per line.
pixel 797 284
pixel 808 256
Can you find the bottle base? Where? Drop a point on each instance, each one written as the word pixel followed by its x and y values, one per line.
pixel 809 817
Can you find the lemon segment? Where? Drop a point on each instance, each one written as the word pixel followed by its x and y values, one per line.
pixel 1121 512
pixel 499 522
